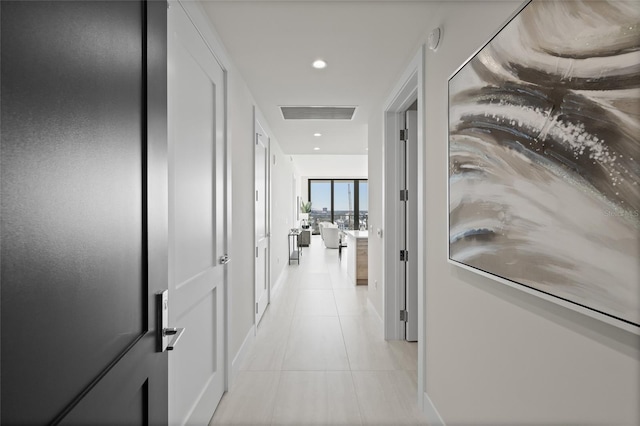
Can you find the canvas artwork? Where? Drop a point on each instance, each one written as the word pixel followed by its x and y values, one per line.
pixel 544 143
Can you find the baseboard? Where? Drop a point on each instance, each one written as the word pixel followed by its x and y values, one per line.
pixel 247 344
pixel 429 410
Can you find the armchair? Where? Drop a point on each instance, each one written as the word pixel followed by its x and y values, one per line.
pixel 322 225
pixel 331 236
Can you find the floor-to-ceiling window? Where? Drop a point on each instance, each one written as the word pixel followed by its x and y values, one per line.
pixel 343 207
pixel 363 205
pixel 321 204
pixel 344 202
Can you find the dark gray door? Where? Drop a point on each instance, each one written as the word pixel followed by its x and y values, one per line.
pixel 83 212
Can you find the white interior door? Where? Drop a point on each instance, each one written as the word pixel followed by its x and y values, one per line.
pixel 262 221
pixel 197 222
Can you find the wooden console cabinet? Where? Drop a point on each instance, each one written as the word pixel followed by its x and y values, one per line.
pixel 358 256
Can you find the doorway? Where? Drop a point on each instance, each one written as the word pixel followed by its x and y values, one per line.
pixel 262 206
pixel 407 95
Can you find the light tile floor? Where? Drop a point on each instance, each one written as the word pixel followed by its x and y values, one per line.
pixel 319 357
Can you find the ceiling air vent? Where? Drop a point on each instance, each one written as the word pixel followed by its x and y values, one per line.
pixel 317 112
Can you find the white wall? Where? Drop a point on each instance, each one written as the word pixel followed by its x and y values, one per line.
pixel 328 166
pixel 376 183
pixel 241 141
pixel 241 138
pixel 352 166
pixel 283 204
pixel 494 354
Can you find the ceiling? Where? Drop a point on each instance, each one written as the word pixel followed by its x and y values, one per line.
pixel 366 44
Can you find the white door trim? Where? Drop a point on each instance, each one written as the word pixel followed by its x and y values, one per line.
pixel 409 88
pixel 260 131
pixel 410 295
pixel 199 18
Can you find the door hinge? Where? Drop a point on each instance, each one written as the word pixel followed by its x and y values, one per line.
pixel 256 251
pixel 404 255
pixel 256 195
pixel 404 316
pixel 256 308
pixel 404 135
pixel 404 194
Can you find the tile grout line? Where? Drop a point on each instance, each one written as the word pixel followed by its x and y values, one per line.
pixel 353 383
pixel 293 314
pixel 344 342
pixel 284 356
pixel 355 391
pixel 333 270
pixel 275 397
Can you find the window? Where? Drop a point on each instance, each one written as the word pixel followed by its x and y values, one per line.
pixel 363 205
pixel 341 201
pixel 321 205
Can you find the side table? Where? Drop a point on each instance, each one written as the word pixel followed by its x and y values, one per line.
pixel 297 250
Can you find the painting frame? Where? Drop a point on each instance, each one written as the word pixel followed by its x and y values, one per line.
pixel 607 317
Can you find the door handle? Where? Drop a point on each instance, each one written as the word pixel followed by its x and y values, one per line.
pixel 225 259
pixel 163 331
pixel 176 333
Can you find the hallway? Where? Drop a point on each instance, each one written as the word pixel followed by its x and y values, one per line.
pixel 320 357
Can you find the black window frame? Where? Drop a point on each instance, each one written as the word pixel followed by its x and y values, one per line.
pixel 356 195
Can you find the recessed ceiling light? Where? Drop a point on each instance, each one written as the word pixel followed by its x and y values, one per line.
pixel 319 64
pixel 317 135
pixel 316 149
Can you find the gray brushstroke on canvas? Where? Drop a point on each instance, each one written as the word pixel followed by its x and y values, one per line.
pixel 544 143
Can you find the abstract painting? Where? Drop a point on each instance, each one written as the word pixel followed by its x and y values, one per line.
pixel 544 143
